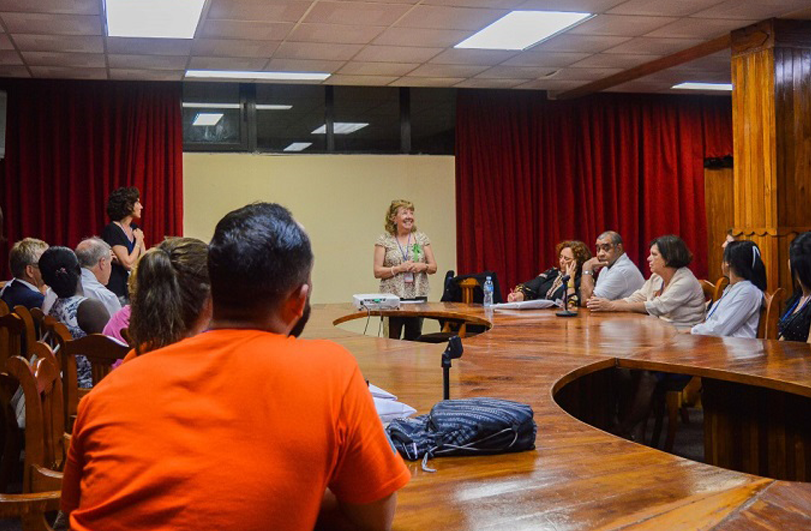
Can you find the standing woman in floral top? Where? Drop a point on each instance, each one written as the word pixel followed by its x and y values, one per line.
pixel 403 261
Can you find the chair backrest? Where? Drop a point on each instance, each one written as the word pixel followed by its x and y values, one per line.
pixel 4 309
pixel 31 330
pixel 44 419
pixel 101 351
pixel 708 288
pixel 720 286
pixel 12 332
pixel 770 314
pixel 457 291
pixel 467 286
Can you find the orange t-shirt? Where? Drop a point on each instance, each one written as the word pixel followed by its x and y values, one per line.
pixel 230 429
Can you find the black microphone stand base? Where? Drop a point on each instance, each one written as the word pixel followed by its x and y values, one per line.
pixel 566 313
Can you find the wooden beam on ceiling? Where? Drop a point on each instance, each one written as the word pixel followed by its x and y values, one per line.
pixel 663 63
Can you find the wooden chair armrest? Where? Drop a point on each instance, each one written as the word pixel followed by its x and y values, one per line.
pixel 44 479
pixel 30 508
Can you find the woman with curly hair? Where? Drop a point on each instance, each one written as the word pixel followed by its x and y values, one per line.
pixel 124 236
pixel 550 284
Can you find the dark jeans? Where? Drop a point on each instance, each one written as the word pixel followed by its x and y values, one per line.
pixel 413 327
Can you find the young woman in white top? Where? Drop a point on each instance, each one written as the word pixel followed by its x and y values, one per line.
pixel 737 312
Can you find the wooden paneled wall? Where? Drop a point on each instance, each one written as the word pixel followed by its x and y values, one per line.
pixel 720 206
pixel 771 106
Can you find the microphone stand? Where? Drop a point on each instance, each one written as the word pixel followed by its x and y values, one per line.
pixel 566 312
pixel 453 351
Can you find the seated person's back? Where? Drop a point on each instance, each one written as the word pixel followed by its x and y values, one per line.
pixel 241 427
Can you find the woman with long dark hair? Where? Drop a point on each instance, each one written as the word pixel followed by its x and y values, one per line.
pixel 124 236
pixel 737 312
pixel 796 320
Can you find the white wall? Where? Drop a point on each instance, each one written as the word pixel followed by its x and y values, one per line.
pixel 340 199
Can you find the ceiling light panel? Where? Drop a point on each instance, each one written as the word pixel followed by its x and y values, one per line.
pixel 703 86
pixel 341 128
pixel 298 146
pixel 207 118
pixel 157 19
pixel 521 29
pixel 264 76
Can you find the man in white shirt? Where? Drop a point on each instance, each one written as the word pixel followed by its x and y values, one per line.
pixel 95 257
pixel 619 276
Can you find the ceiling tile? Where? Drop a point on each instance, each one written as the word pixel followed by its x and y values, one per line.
pixel 421 37
pixel 639 86
pixel 427 81
pixel 59 43
pixel 542 58
pixel 127 45
pixel 59 72
pixel 376 81
pixel 355 13
pixel 5 43
pixel 233 48
pixel 344 34
pixel 682 8
pixel 308 50
pixel 250 64
pixel 258 10
pixel 580 43
pixel 694 28
pixel 396 54
pixel 82 60
pixel 49 24
pixel 149 75
pixel 624 26
pixel 447 71
pixel 615 60
pixel 10 58
pixel 516 72
pixel 472 57
pixel 147 62
pixel 14 71
pixel 653 46
pixel 490 83
pixel 584 6
pixel 752 9
pixel 357 68
pixel 456 18
pixel 237 29
pixel 303 65
pixel 63 7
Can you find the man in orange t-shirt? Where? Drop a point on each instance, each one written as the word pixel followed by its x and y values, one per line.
pixel 242 427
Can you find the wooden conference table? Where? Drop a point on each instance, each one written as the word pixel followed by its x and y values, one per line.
pixel 757 400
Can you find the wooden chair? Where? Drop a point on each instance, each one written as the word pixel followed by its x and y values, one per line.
pixel 713 292
pixel 450 327
pixel 31 330
pixel 4 309
pixel 100 350
pixel 12 332
pixel 45 440
pixel 770 314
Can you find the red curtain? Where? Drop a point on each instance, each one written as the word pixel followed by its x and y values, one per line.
pixel 532 172
pixel 70 143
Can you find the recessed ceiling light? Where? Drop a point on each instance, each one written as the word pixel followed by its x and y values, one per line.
pixel 153 18
pixel 341 128
pixel 207 118
pixel 272 107
pixel 519 30
pixel 193 105
pixel 273 76
pixel 298 146
pixel 703 86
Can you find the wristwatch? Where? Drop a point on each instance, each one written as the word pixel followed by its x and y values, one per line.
pixel 585 272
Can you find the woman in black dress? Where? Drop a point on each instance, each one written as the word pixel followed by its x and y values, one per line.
pixel 549 284
pixel 124 236
pixel 794 323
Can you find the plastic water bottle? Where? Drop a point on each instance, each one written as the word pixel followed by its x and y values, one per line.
pixel 488 293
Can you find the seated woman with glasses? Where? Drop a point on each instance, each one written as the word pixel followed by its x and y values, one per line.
pixel 550 284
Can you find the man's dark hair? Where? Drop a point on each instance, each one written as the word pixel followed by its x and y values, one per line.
pixel 673 250
pixel 121 202
pixel 258 255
